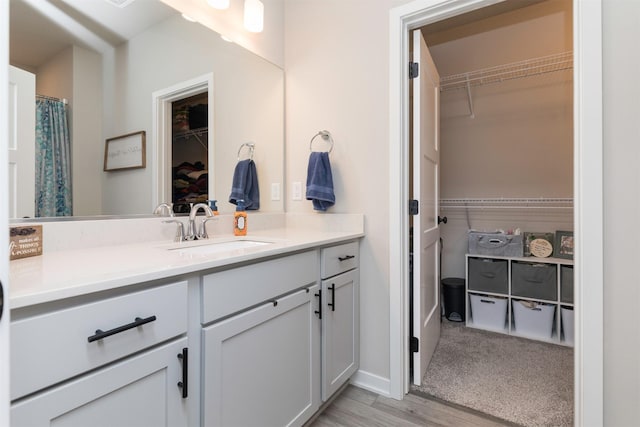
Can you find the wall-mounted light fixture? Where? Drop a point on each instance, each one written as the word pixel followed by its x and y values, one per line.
pixel 219 4
pixel 253 15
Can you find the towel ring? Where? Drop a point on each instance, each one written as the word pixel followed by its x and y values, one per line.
pixel 251 146
pixel 326 135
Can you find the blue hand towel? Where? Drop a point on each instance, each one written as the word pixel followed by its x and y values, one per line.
pixel 320 181
pixel 245 185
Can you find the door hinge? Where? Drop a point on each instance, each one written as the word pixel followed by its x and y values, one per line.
pixel 413 70
pixel 413 207
pixel 414 344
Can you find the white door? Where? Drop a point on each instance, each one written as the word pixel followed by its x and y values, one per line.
pixel 262 366
pixel 4 222
pixel 139 391
pixel 426 235
pixel 340 330
pixel 22 143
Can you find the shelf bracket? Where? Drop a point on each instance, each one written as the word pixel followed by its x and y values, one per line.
pixel 472 115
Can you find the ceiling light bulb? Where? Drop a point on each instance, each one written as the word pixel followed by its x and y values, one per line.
pixel 253 15
pixel 219 4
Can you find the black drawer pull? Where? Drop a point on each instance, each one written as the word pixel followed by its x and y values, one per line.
pixel 346 257
pixel 103 334
pixel 184 356
pixel 332 288
pixel 487 301
pixel 319 310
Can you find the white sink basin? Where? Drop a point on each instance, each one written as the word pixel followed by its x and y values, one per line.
pixel 216 247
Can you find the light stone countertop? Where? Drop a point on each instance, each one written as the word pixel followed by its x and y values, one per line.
pixel 70 273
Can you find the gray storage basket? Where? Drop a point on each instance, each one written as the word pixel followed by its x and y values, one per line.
pixel 566 284
pixel 488 275
pixel 534 280
pixel 496 244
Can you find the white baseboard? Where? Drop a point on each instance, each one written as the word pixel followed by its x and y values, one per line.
pixel 372 382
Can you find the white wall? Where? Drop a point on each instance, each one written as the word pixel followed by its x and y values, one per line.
pixel 87 143
pixel 248 106
pixel 336 56
pixel 621 92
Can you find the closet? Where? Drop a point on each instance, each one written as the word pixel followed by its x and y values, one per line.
pixel 189 151
pixel 506 126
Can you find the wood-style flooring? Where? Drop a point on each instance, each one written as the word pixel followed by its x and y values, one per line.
pixel 355 407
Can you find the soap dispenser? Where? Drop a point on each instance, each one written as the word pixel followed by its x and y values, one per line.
pixel 240 220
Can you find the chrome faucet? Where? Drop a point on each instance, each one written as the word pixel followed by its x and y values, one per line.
pixel 162 208
pixel 179 231
pixel 201 233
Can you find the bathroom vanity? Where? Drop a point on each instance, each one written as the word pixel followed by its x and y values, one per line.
pixel 254 331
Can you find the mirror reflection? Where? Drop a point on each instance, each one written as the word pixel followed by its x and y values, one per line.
pixel 109 77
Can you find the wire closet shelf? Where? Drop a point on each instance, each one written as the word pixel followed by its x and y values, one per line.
pixel 515 70
pixel 508 203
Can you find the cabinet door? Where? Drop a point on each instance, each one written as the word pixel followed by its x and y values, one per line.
pixel 340 330
pixel 262 366
pixel 139 391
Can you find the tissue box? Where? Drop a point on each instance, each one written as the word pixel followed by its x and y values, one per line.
pixel 495 244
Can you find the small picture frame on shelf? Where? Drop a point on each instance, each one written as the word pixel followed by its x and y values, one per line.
pixel 564 245
pixel 125 152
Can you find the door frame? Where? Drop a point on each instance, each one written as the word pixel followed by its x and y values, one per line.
pixel 4 214
pixel 588 194
pixel 162 137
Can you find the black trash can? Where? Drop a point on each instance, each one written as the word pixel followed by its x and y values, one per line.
pixel 453 295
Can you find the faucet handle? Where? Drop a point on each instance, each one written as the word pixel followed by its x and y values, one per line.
pixel 179 231
pixel 203 228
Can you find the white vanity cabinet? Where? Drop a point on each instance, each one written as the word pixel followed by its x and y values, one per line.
pixel 106 361
pixel 261 338
pixel 340 315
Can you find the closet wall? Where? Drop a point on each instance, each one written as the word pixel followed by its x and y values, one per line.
pixel 519 141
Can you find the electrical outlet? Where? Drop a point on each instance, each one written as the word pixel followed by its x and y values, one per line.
pixel 296 191
pixel 275 191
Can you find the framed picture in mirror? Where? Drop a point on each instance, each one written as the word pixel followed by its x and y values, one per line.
pixel 125 152
pixel 564 244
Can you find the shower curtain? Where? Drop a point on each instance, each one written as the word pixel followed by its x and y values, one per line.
pixel 53 159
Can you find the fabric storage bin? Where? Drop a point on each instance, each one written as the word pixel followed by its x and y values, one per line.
pixel 534 320
pixel 495 244
pixel 567 324
pixel 534 280
pixel 488 312
pixel 566 284
pixel 489 275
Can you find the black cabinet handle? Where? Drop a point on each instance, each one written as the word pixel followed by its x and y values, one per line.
pixel 332 288
pixel 103 334
pixel 184 356
pixel 319 310
pixel 346 257
pixel 1 300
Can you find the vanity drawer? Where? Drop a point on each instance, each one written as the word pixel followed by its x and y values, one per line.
pixel 338 259
pixel 230 291
pixel 52 347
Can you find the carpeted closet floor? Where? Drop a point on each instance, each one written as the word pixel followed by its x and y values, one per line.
pixel 523 381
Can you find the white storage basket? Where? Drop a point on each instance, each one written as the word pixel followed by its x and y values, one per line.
pixel 567 324
pixel 535 321
pixel 488 312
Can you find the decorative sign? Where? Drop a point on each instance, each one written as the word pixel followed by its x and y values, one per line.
pixel 125 152
pixel 25 241
pixel 540 248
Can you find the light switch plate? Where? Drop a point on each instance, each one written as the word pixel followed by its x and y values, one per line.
pixel 275 191
pixel 296 191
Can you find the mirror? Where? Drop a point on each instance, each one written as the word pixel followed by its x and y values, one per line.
pixel 115 75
